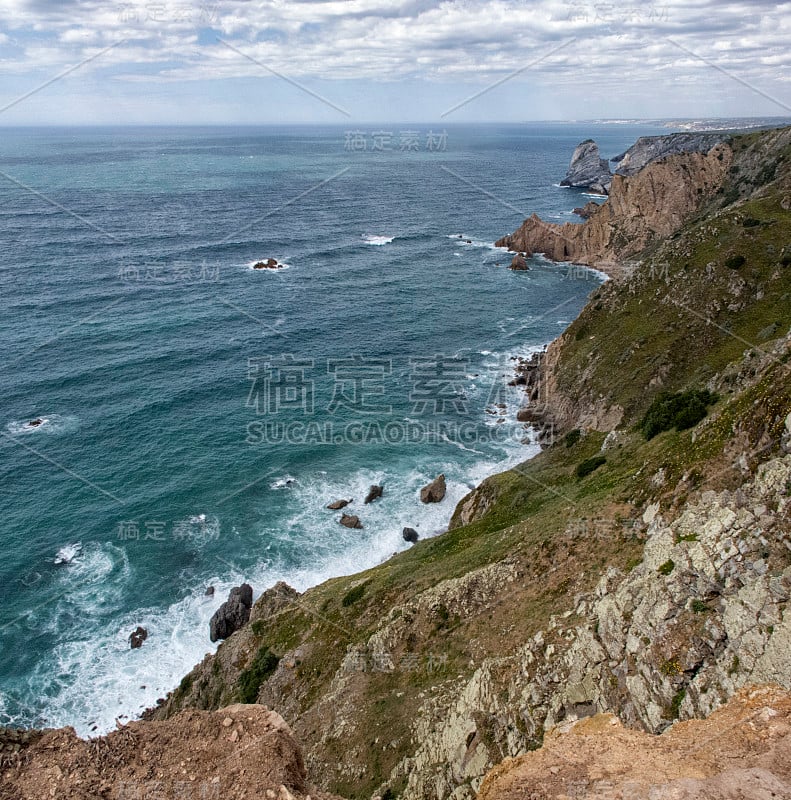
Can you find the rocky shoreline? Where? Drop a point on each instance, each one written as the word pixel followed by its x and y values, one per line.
pixel 654 584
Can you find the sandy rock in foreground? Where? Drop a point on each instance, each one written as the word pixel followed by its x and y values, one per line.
pixel 741 752
pixel 237 753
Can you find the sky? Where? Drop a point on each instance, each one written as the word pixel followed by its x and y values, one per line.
pixel 354 61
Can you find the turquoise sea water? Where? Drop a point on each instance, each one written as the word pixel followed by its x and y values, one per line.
pixel 199 415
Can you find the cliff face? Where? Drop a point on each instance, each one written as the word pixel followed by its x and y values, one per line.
pixel 653 203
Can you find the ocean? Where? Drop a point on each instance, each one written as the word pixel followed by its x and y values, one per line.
pixel 197 415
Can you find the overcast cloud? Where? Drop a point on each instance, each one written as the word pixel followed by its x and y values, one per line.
pixel 403 60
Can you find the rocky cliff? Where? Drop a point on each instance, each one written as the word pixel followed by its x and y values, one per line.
pixel 648 149
pixel 653 203
pixel 645 576
pixel 588 170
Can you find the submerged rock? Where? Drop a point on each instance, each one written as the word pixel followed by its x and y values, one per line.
pixel 434 492
pixel 232 614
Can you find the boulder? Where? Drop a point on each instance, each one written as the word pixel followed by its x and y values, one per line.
pixel 373 493
pixel 519 263
pixel 209 591
pixel 410 535
pixel 350 521
pixel 232 614
pixel 337 505
pixel 34 423
pixel 587 169
pixel 434 492
pixel 137 637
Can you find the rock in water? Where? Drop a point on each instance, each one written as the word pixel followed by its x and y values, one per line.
pixel 519 263
pixel 34 423
pixel 373 493
pixel 434 492
pixel 233 613
pixel 337 505
pixel 588 170
pixel 350 521
pixel 410 535
pixel 270 263
pixel 209 591
pixel 137 637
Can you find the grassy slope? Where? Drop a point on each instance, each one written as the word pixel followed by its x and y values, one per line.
pixel 623 337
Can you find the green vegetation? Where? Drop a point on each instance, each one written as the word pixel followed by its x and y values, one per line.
pixel 735 262
pixel 261 667
pixel 589 465
pixel 699 606
pixel 667 567
pixel 679 410
pixel 353 595
pixel 675 703
pixel 572 437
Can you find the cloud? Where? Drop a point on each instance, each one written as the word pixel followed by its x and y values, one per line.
pixel 467 43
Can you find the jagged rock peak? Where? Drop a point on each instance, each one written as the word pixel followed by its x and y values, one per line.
pixel 652 148
pixel 588 170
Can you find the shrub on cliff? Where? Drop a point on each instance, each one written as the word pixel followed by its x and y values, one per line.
pixel 262 666
pixel 589 465
pixel 679 410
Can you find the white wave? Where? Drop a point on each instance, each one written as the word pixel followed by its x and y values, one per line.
pixel 46 423
pixel 119 683
pixel 469 241
pixel 68 553
pixel 378 241
pixel 283 482
pixel 594 195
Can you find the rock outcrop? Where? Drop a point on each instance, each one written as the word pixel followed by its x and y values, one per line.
pixel 350 521
pixel 653 203
pixel 137 637
pixel 270 263
pixel 519 263
pixel 243 751
pixel 337 505
pixel 232 614
pixel 741 752
pixel 374 493
pixel 409 535
pixel 588 170
pixel 434 492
